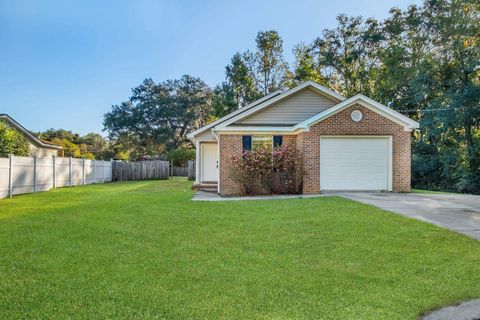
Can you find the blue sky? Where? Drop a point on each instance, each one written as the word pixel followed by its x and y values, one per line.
pixel 64 63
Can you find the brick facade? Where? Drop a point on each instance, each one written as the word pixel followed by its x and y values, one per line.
pixel 371 124
pixel 309 144
pixel 230 145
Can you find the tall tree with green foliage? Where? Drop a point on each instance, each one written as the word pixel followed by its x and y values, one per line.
pixel 223 100
pixel 305 67
pixel 454 88
pixel 346 54
pixel 240 78
pixel 12 142
pixel 89 146
pixel 268 63
pixel 157 117
pixel 253 74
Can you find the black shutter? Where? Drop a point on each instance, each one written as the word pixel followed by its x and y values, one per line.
pixel 247 143
pixel 277 141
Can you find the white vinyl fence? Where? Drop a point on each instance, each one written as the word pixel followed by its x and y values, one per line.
pixel 31 174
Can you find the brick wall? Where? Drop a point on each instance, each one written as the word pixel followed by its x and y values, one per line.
pixel 309 144
pixel 230 145
pixel 371 124
pixel 289 140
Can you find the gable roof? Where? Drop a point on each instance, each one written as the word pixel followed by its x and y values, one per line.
pixel 262 103
pixel 192 135
pixel 224 124
pixel 29 135
pixel 308 84
pixel 365 101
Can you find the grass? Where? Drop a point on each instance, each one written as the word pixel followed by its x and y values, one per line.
pixel 432 192
pixel 143 250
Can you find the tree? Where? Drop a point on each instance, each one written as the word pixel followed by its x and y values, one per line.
pixel 90 146
pixel 347 54
pixel 70 149
pixel 268 63
pixel 240 78
pixel 51 134
pixel 455 36
pixel 96 145
pixel 258 73
pixel 180 156
pixel 12 142
pixel 157 117
pixel 223 100
pixel 305 67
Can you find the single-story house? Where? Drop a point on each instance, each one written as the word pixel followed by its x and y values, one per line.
pixel 38 147
pixel 346 144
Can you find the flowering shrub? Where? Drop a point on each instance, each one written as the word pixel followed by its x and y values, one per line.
pixel 265 171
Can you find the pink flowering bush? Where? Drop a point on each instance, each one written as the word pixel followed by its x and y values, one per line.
pixel 265 171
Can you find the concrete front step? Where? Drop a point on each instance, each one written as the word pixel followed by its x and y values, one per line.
pixel 208 187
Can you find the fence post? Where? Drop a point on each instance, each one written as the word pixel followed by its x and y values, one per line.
pixel 83 171
pixel 54 172
pixel 94 171
pixel 10 175
pixel 34 173
pixel 69 171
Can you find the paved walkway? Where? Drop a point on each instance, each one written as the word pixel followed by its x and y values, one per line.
pixel 469 310
pixel 211 196
pixel 457 212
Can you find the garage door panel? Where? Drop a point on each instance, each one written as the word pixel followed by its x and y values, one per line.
pixel 350 163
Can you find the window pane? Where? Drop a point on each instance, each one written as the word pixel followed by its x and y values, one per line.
pixel 262 142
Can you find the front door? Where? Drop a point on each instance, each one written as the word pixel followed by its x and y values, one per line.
pixel 209 162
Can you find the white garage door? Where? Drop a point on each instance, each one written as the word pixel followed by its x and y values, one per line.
pixel 355 163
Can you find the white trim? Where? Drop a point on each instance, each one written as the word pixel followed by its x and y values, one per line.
pixel 192 135
pixel 201 165
pixel 390 154
pixel 261 132
pixel 365 101
pixel 233 130
pixel 285 94
pixel 218 160
pixel 390 168
pixel 197 162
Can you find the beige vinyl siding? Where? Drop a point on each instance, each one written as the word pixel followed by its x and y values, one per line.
pixel 292 110
pixel 41 151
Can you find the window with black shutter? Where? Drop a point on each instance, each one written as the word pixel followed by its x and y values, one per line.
pixel 277 141
pixel 247 143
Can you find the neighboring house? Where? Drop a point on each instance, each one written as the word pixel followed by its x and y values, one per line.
pixel 37 146
pixel 346 144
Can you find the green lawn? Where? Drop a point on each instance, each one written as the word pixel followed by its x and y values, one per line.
pixel 431 191
pixel 143 250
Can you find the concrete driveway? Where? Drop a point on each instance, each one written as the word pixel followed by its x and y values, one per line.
pixel 460 213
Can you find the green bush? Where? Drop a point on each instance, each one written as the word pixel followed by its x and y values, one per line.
pixel 267 171
pixel 181 156
pixel 12 142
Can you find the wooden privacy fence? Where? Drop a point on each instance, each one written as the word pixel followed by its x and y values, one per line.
pixel 20 175
pixel 141 170
pixel 180 171
pixel 191 170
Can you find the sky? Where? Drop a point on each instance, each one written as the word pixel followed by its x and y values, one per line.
pixel 63 64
